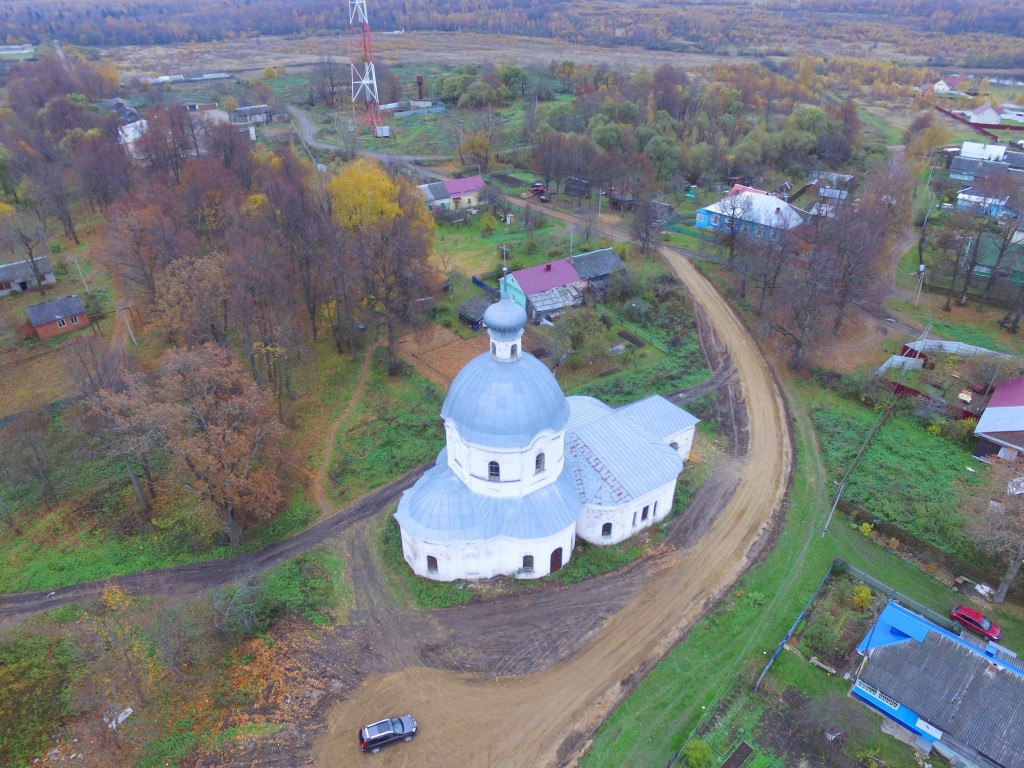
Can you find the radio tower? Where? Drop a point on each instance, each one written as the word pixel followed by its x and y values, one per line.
pixel 364 79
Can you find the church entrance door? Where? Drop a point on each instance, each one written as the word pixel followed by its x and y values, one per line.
pixel 556 560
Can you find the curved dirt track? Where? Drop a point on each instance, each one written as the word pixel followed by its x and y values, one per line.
pixel 532 720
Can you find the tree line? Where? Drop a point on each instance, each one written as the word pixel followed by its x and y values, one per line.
pixel 954 31
pixel 240 259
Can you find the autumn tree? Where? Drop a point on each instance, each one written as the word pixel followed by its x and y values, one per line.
pixel 995 518
pixel 389 232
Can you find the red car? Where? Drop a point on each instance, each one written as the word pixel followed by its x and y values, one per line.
pixel 976 622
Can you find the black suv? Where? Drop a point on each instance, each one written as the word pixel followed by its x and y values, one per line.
pixel 376 735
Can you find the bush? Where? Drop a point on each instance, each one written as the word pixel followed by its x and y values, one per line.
pixel 697 754
pixel 822 634
pixel 862 597
pixel 300 586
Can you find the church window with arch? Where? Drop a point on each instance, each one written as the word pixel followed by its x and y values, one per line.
pixel 538 464
pixel 493 471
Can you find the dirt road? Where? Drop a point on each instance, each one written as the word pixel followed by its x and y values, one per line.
pixel 496 717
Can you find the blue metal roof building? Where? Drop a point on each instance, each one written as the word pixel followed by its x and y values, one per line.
pixel 965 702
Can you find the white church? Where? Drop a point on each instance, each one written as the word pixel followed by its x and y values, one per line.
pixel 527 469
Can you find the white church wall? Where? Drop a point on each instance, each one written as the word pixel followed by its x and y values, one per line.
pixel 682 442
pixel 626 519
pixel 473 560
pixel 471 464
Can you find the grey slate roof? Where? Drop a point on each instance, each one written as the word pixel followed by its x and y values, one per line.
pixel 434 191
pixel 48 311
pixel 971 698
pixel 599 263
pixel 505 404
pixel 17 271
pixel 473 310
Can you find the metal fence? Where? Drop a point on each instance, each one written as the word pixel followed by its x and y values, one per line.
pixel 906 602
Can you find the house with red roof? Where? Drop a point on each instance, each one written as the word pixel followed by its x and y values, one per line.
pixel 1000 430
pixel 985 114
pixel 545 289
pixel 464 193
pixel 947 84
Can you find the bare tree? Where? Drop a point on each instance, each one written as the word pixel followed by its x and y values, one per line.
pixel 995 518
pixel 327 80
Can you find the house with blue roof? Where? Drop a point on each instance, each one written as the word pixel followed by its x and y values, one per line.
pixel 963 701
pixel 525 469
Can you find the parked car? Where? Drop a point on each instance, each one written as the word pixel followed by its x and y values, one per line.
pixel 376 735
pixel 976 622
pixel 544 199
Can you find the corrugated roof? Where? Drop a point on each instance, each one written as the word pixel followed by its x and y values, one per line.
pixel 658 416
pixel 557 298
pixel 434 191
pixel 599 263
pixel 759 208
pixel 544 276
pixel 17 271
pixel 54 309
pixel 459 187
pixel 950 683
pixel 614 460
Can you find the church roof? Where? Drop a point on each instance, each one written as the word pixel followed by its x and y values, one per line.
pixel 505 404
pixel 613 460
pixel 505 320
pixel 441 508
pixel 659 416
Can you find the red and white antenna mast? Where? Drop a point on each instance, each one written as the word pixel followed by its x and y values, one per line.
pixel 364 78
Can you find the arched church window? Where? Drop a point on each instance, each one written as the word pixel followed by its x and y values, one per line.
pixel 494 348
pixel 538 464
pixel 493 472
pixel 515 347
pixel 606 529
pixel 528 563
pixel 431 564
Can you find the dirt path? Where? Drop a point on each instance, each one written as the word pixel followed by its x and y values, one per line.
pixel 543 718
pixel 319 494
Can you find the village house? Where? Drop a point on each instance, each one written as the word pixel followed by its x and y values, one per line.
pixel 750 211
pixel 435 195
pixel 962 699
pixel 974 200
pixel 20 276
pixel 56 316
pixel 465 192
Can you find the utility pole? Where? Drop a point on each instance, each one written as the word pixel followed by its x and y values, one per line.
pixel 121 312
pixel 920 283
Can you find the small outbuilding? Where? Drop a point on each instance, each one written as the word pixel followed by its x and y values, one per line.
pixel 57 316
pixel 472 312
pixel 20 276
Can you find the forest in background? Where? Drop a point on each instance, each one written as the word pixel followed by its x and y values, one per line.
pixel 934 32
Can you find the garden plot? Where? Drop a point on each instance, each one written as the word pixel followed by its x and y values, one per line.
pixel 439 353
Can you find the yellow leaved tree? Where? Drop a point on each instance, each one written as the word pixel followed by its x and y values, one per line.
pixel 388 236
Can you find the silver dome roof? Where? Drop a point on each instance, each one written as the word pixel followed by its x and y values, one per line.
pixel 505 320
pixel 505 404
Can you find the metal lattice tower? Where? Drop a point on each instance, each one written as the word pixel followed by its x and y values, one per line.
pixel 364 78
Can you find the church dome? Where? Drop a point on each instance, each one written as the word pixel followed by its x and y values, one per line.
pixel 505 405
pixel 505 320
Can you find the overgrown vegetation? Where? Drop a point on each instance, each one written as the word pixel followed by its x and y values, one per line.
pixel 37 673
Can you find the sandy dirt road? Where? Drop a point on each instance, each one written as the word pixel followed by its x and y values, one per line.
pixel 544 718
